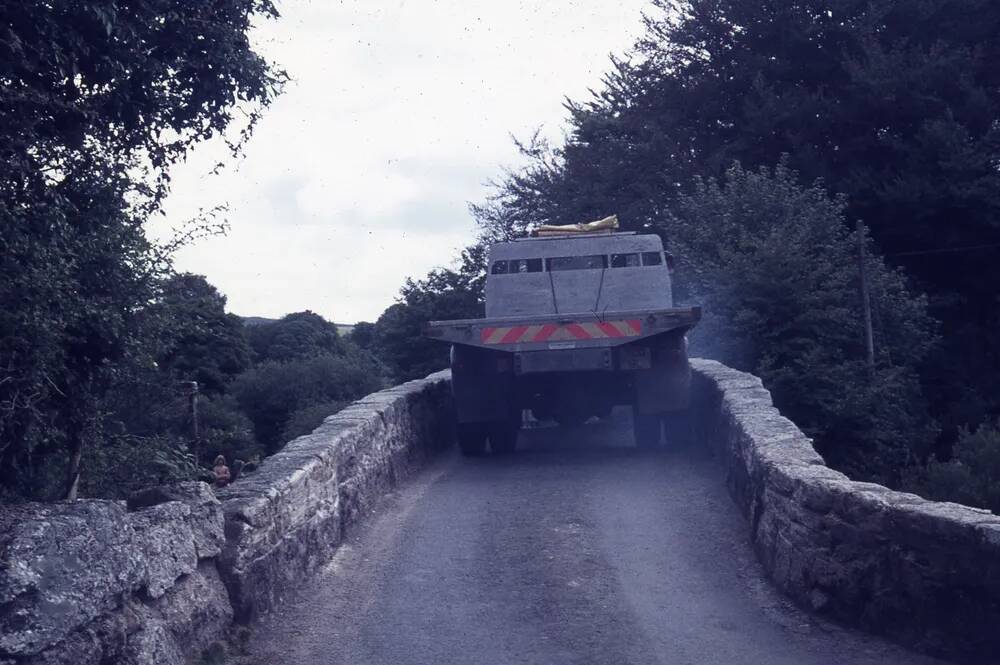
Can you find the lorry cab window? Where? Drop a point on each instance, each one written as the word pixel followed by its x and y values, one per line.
pixel 524 265
pixel 625 260
pixel 652 259
pixel 500 268
pixel 592 262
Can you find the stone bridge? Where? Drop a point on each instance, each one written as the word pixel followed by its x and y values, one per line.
pixel 368 542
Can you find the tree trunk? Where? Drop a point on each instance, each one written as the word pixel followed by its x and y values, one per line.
pixel 73 474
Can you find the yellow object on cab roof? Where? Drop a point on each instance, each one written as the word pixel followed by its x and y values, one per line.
pixel 606 224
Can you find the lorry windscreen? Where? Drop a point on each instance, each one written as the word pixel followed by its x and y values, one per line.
pixel 590 262
pixel 625 260
pixel 593 262
pixel 514 266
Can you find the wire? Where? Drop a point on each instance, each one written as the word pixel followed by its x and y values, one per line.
pixel 552 286
pixel 600 289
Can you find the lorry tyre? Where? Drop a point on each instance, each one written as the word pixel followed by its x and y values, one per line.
pixel 646 427
pixel 503 438
pixel 471 440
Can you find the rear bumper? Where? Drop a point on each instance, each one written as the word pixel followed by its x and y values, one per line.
pixel 561 332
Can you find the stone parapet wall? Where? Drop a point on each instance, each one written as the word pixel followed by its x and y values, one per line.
pixel 96 582
pixel 922 572
pixel 287 519
pixel 155 580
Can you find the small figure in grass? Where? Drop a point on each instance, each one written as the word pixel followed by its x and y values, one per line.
pixel 221 471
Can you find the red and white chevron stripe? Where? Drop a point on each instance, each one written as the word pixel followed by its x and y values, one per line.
pixel 556 332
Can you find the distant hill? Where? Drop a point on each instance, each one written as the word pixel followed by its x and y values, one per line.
pixel 342 328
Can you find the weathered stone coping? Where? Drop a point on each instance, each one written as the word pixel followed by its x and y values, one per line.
pixel 925 573
pixel 285 520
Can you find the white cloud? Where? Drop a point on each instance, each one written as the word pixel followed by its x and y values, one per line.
pixel 399 112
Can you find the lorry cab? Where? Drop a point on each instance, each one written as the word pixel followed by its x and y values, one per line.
pixel 590 273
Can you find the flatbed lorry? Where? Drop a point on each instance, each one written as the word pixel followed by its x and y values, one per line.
pixel 575 325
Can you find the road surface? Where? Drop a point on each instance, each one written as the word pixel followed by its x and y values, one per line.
pixel 579 549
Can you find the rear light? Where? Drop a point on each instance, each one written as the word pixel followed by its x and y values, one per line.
pixel 670 261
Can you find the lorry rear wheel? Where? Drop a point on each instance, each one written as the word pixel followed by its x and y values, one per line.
pixel 471 440
pixel 646 427
pixel 503 438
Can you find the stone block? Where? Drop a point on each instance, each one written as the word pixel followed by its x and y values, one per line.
pixel 205 517
pixel 166 545
pixel 61 566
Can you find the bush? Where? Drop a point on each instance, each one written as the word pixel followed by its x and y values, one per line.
pixel 295 336
pixel 972 477
pixel 446 293
pixel 776 270
pixel 125 464
pixel 226 430
pixel 308 418
pixel 272 392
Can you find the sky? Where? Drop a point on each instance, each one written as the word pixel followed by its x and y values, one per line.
pixel 397 117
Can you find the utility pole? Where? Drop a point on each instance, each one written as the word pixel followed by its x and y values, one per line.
pixel 191 389
pixel 866 299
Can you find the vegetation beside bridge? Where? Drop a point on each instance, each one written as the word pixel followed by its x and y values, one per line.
pixel 753 136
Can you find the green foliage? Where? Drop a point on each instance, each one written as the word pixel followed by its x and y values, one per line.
pixel 97 100
pixel 304 372
pixel 972 477
pixel 200 341
pixel 306 419
pixel 124 464
pixel 363 334
pixel 295 336
pixel 226 430
pixel 893 104
pixel 777 272
pixel 272 392
pixel 75 273
pixel 444 294
pixel 133 84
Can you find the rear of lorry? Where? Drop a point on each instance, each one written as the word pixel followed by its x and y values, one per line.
pixel 575 325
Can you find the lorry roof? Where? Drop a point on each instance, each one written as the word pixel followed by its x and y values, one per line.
pixel 618 243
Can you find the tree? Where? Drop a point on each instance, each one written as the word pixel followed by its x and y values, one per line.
pixel 304 371
pixel 444 294
pixel 363 334
pixel 97 101
pixel 294 336
pixel 893 104
pixel 273 392
pixel 971 477
pixel 776 270
pixel 201 342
